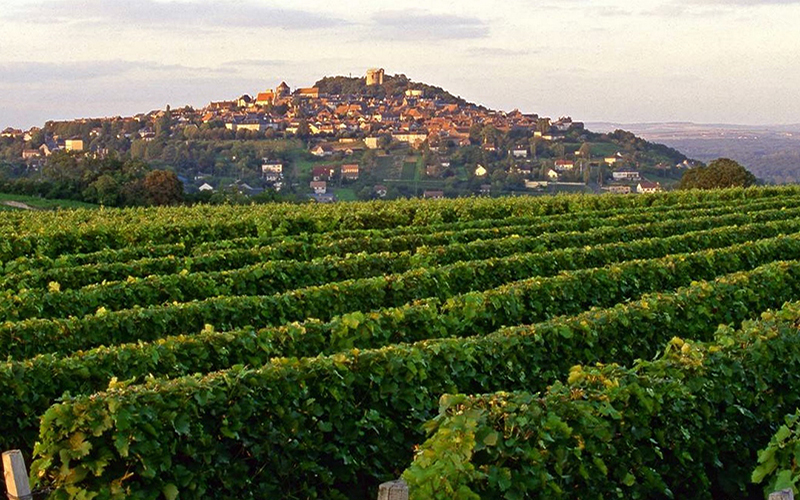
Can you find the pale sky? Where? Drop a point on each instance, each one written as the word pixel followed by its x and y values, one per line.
pixel 705 61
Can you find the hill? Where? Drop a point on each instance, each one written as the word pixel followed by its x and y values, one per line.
pixel 397 137
pixel 771 152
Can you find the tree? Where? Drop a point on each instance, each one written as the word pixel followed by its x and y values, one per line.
pixel 162 187
pixel 164 125
pixel 384 141
pixel 720 173
pixel 585 151
pixel 303 130
pixel 105 191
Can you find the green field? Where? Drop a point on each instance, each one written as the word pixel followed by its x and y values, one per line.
pixel 21 202
pixel 490 347
pixel 345 194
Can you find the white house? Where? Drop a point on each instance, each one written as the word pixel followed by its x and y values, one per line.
pixel 319 187
pixel 272 171
pixel 564 165
pixel 648 187
pixel 625 174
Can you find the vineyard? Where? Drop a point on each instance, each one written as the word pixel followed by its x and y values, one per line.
pixel 571 346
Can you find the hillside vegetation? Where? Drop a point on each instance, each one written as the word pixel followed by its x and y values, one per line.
pixel 298 351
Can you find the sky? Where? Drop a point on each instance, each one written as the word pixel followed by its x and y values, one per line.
pixel 703 61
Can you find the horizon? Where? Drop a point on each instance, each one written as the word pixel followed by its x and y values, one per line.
pixel 698 61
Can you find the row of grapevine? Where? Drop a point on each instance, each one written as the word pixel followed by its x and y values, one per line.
pixel 351 240
pixel 687 425
pixel 36 382
pixel 86 231
pixel 327 426
pixel 306 246
pixel 278 276
pixel 26 338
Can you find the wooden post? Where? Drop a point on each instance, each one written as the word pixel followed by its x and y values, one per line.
pixel 393 490
pixel 782 495
pixel 16 475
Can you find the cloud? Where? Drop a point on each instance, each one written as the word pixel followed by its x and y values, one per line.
pixel 31 73
pixel 175 15
pixel 746 3
pixel 498 52
pixel 711 8
pixel 413 25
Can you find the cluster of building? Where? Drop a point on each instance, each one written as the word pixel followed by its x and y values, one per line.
pixel 412 117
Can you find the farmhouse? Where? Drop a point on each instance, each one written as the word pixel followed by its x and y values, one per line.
pixel 319 187
pixel 648 187
pixel 350 172
pixel 325 173
pixel 625 174
pixel 564 165
pixel 618 189
pixel 272 171
pixel 433 195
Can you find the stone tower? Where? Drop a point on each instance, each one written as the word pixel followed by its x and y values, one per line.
pixel 375 76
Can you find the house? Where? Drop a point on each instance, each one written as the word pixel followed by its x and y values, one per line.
pixel 10 132
pixel 73 144
pixel 219 105
pixel 486 189
pixel 433 195
pixel 245 101
pixel 48 148
pixel 380 190
pixel 319 187
pixel 350 172
pixel 325 173
pixel 611 160
pixel 618 189
pixel 272 171
pixel 625 174
pixel 206 187
pixel 244 188
pixel 283 90
pixel 309 92
pixel 371 142
pixel 480 170
pixel 535 184
pixel 564 165
pixel 265 98
pixel 323 197
pixel 414 139
pixel 519 152
pixel 322 150
pixel 648 187
pixel 27 154
pixel 552 174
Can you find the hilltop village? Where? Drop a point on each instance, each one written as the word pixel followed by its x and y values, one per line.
pixel 374 136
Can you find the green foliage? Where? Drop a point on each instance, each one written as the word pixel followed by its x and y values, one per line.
pixel 295 351
pixel 342 409
pixel 684 426
pixel 720 173
pixel 779 461
pixel 162 187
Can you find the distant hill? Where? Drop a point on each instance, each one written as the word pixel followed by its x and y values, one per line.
pixel 771 152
